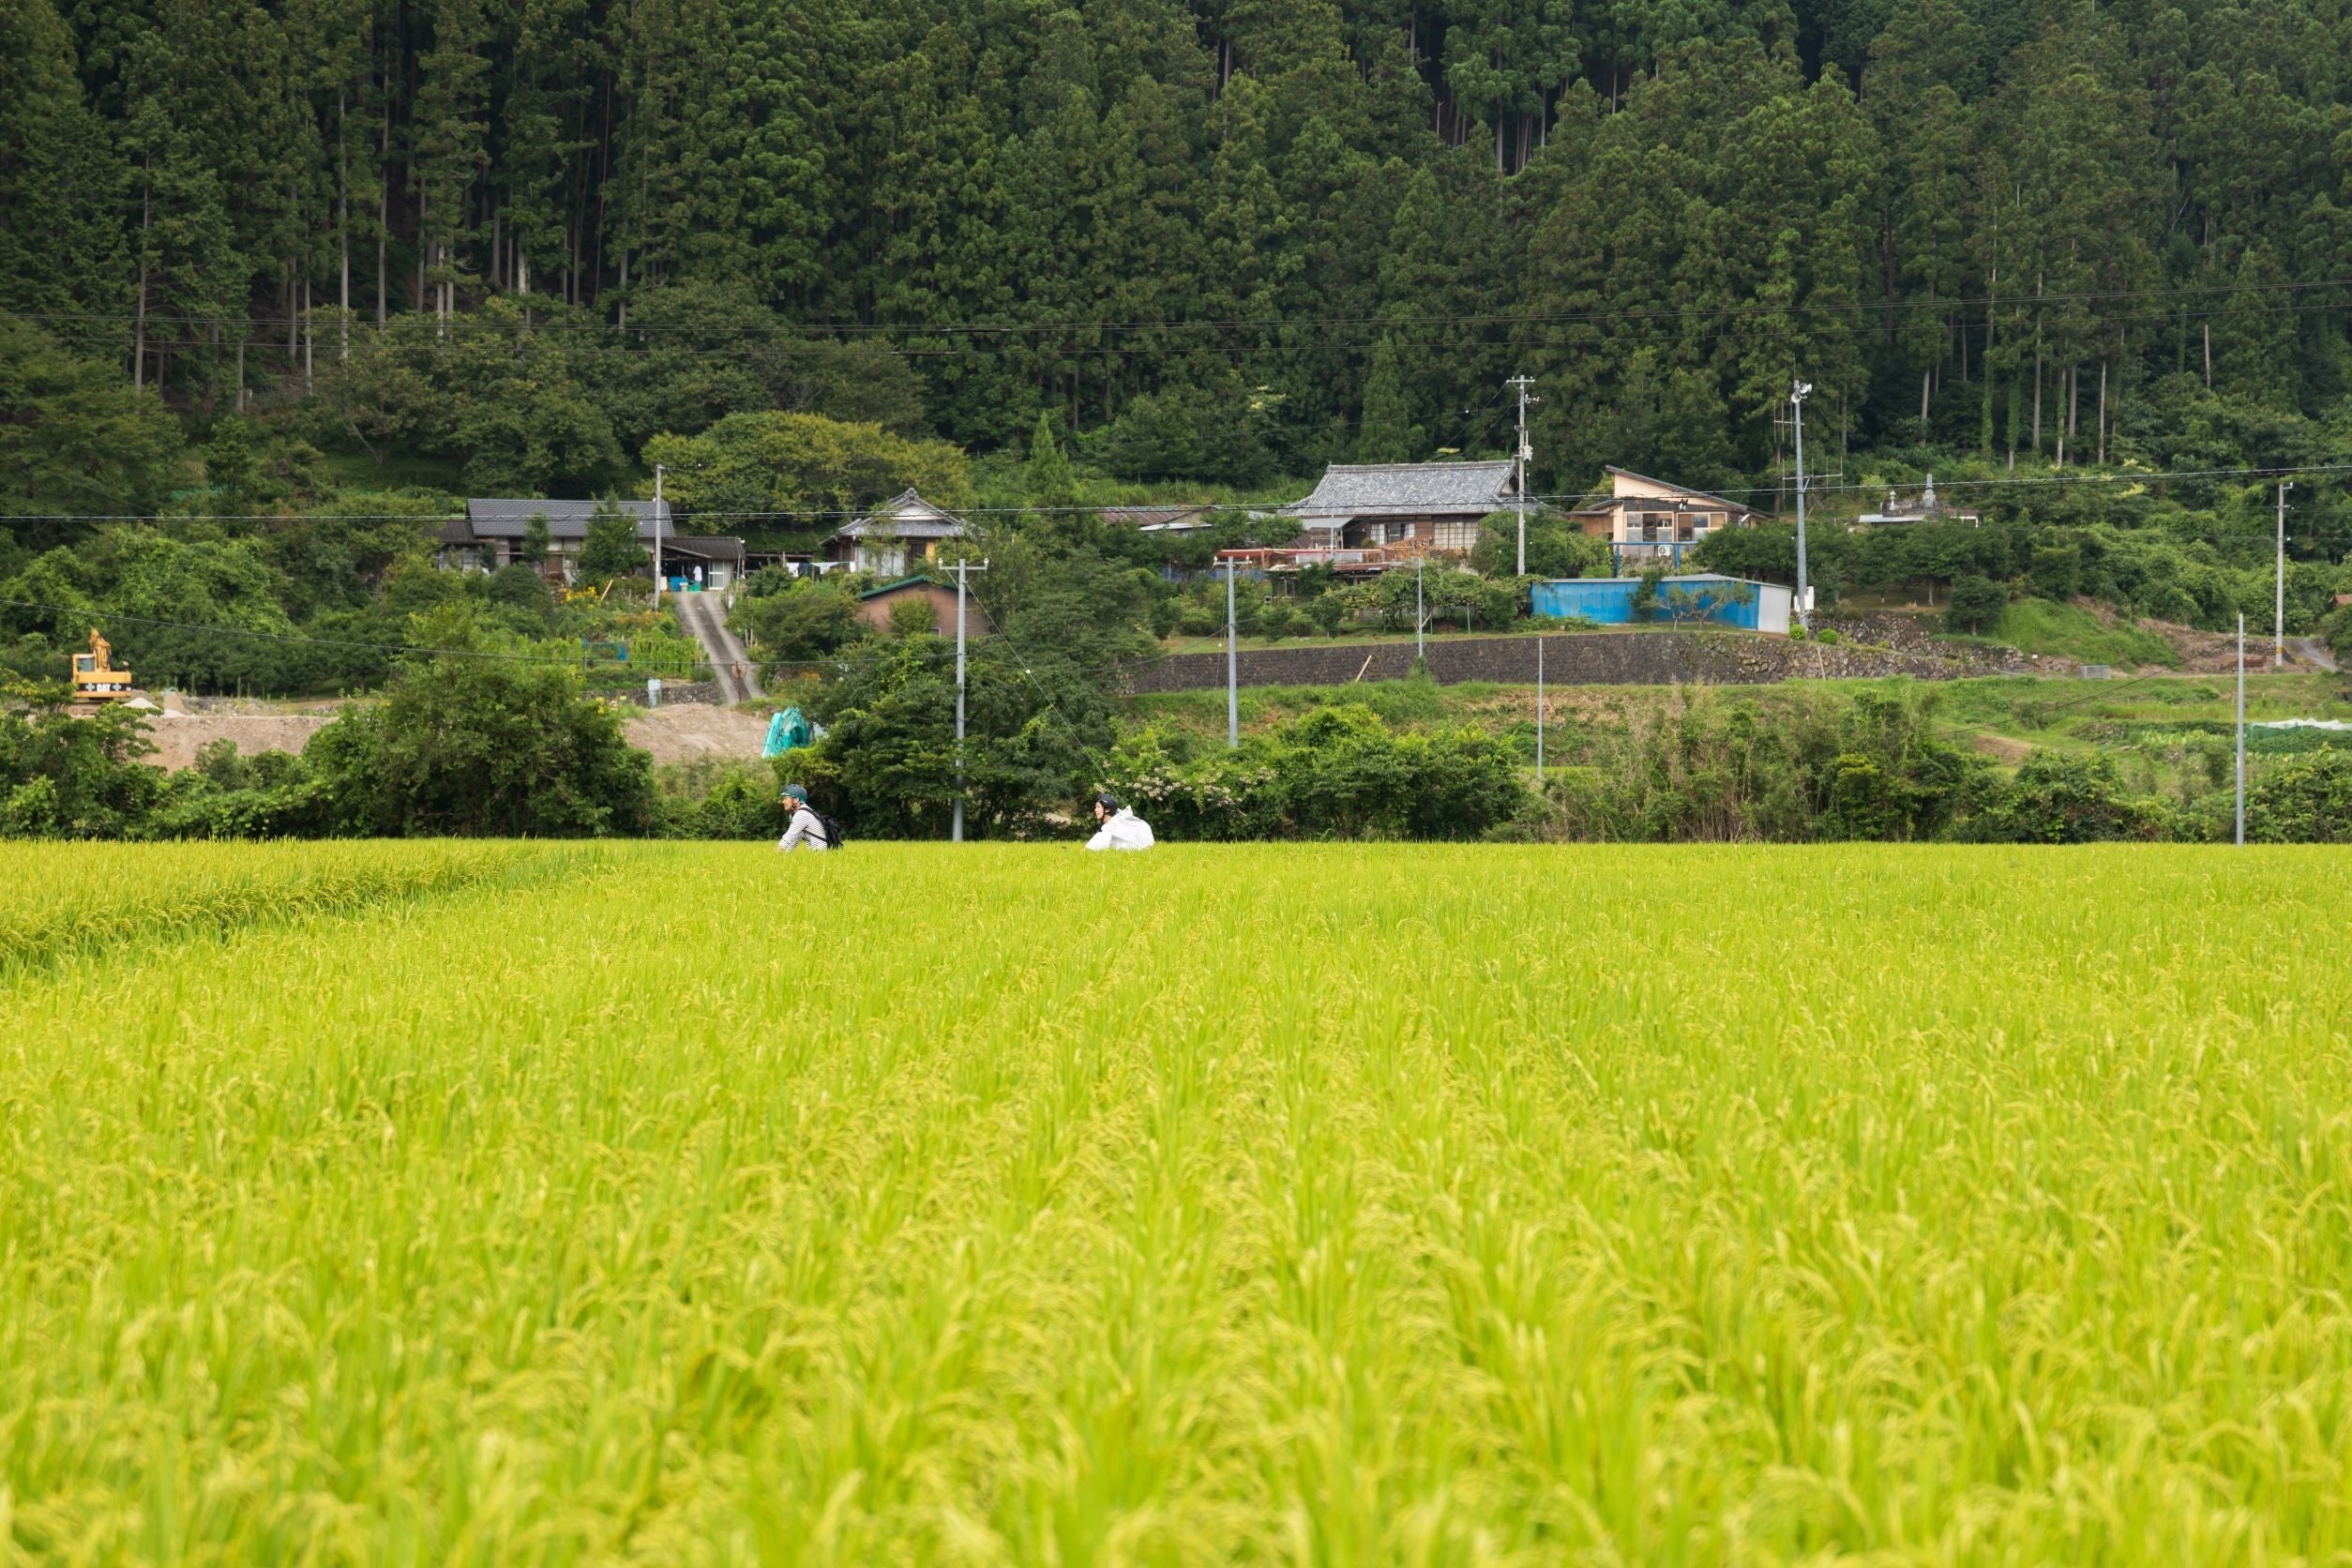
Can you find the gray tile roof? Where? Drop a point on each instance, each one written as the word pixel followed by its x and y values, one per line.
pixel 905 515
pixel 1408 490
pixel 565 519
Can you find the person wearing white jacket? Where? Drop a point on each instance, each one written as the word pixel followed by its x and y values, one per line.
pixel 1122 829
pixel 807 829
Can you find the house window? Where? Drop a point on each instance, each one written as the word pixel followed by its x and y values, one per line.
pixel 1452 534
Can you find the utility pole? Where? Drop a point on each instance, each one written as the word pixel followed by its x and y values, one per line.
pixel 1519 460
pixel 2242 731
pixel 1421 617
pixel 1233 669
pixel 1799 391
pixel 657 472
pixel 956 835
pixel 2278 627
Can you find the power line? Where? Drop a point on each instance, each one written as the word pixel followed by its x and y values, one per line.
pixel 2128 477
pixel 448 328
pixel 396 648
pixel 1247 338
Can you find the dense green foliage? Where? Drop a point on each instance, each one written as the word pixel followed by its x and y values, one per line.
pixel 475 742
pixel 505 744
pixel 305 272
pixel 1220 241
pixel 1719 768
pixel 1338 773
pixel 481 741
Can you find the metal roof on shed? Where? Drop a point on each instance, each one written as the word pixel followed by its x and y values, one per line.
pixel 507 518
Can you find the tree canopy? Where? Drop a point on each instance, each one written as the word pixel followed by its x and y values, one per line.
pixel 1214 241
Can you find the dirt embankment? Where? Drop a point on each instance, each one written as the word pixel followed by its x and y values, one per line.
pixel 178 737
pixel 677 734
pixel 2211 653
pixel 684 730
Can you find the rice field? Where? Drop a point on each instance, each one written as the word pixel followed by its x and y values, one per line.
pixel 498 1204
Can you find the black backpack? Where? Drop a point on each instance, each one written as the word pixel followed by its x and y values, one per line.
pixel 834 837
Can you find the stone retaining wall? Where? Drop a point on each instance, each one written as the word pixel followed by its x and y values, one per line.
pixel 1704 656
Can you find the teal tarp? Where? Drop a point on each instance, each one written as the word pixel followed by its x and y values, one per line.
pixel 786 730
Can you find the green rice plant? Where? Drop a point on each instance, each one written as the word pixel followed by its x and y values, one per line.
pixel 1004 1203
pixel 122 899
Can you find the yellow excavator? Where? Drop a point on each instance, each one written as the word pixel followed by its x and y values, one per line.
pixel 95 680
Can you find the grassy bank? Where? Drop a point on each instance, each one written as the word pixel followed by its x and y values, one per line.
pixel 2028 708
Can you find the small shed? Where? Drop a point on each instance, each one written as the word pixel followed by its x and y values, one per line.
pixel 874 605
pixel 720 556
pixel 1699 597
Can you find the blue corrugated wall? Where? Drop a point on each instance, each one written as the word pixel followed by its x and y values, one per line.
pixel 1608 601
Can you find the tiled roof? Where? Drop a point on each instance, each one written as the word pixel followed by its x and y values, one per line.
pixel 905 515
pixel 1408 490
pixel 565 519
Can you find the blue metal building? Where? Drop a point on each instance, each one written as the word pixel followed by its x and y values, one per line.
pixel 1708 597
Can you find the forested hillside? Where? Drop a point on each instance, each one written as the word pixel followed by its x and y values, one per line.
pixel 1219 240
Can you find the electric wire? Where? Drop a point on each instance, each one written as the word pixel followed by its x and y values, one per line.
pixel 446 328
pixel 2125 477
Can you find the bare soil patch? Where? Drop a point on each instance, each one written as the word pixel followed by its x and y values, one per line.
pixel 673 734
pixel 686 730
pixel 178 737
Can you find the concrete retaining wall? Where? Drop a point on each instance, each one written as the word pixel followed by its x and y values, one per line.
pixel 1712 658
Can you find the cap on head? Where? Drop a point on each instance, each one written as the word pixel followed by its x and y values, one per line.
pixel 793 792
pixel 1108 801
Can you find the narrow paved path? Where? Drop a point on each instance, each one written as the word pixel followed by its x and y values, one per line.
pixel 705 616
